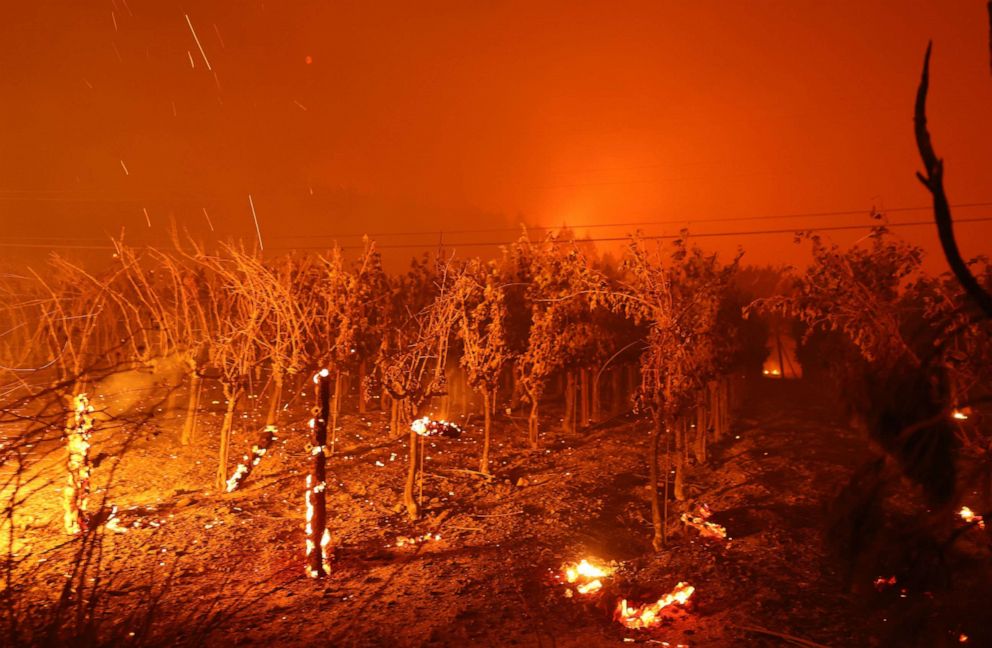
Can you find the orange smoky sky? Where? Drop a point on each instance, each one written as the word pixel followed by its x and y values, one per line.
pixel 419 122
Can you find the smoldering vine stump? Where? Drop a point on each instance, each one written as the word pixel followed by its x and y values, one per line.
pixel 76 493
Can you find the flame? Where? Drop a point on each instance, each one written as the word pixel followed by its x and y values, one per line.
pixel 585 575
pixel 647 615
pixel 584 569
pixel 970 517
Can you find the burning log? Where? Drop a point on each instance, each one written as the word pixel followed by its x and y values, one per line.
pixel 649 614
pixel 700 522
pixel 317 534
pixel 426 427
pixel 585 576
pixel 76 494
pixel 249 461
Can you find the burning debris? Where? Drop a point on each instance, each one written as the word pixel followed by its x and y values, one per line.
pixel 76 494
pixel 699 521
pixel 427 427
pixel 970 517
pixel 649 614
pixel 585 576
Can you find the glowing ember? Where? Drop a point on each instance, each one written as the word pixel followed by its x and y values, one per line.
pixel 959 415
pixel 647 615
pixel 113 523
pixel 587 588
pixel 429 427
pixel 969 516
pixel 76 494
pixel 881 582
pixel 427 537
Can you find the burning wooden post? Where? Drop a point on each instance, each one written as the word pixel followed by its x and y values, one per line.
pixel 250 460
pixel 317 536
pixel 76 494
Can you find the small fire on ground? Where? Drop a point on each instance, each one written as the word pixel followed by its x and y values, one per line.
pixel 585 576
pixel 650 614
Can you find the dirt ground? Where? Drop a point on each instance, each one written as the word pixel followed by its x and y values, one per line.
pixel 200 567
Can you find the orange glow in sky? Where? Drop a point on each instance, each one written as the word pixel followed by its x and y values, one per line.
pixel 341 118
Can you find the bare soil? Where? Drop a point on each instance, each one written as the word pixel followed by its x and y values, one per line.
pixel 200 567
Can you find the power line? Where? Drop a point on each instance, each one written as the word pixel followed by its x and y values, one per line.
pixel 543 228
pixel 602 239
pixel 728 219
pixel 610 239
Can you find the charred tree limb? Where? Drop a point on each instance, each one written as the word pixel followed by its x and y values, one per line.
pixel 934 182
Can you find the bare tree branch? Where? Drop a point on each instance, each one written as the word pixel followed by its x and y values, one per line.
pixel 934 182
